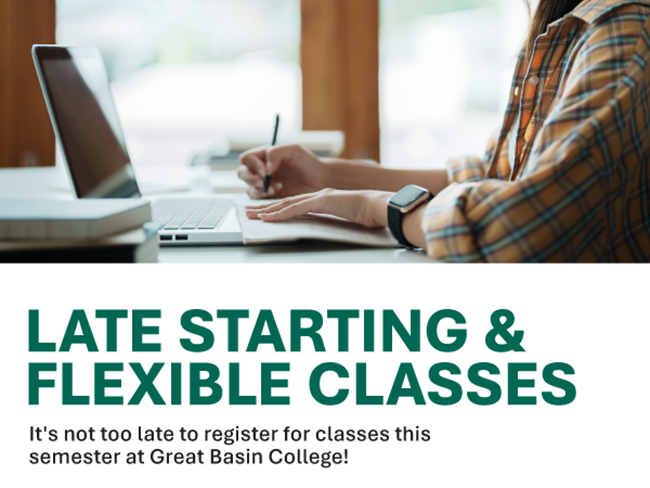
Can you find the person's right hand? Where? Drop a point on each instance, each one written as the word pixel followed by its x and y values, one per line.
pixel 294 169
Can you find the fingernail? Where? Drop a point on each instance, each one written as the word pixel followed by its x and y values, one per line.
pixel 271 191
pixel 279 186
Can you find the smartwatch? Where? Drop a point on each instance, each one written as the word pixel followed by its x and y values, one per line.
pixel 403 202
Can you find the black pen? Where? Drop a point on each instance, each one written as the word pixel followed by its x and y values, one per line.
pixel 267 178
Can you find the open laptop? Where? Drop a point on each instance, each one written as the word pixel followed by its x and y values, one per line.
pixel 78 97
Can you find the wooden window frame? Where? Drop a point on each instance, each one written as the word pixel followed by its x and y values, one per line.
pixel 340 70
pixel 26 135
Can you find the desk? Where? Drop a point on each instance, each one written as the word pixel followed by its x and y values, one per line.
pixel 39 182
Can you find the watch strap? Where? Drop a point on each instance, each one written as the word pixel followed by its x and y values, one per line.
pixel 395 222
pixel 395 217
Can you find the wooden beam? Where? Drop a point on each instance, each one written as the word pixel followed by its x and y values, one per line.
pixel 8 83
pixel 26 135
pixel 340 70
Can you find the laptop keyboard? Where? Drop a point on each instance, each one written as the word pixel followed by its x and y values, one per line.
pixel 190 213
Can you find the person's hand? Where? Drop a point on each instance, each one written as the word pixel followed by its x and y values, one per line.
pixel 294 170
pixel 367 208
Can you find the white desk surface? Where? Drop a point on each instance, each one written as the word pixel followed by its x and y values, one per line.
pixel 41 183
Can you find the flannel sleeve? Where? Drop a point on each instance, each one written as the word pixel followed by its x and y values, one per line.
pixel 558 210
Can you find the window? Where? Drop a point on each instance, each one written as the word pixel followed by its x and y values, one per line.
pixel 188 72
pixel 445 74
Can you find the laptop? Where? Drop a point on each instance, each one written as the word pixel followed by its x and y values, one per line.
pixel 77 92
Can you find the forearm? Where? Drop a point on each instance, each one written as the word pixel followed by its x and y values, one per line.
pixel 358 175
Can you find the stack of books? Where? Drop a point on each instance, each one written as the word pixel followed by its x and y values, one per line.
pixel 77 231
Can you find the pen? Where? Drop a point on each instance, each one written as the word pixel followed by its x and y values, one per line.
pixel 267 178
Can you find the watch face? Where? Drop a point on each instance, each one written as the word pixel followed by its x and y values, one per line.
pixel 407 196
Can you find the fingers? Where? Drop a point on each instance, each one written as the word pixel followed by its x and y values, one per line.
pixel 266 160
pixel 256 184
pixel 349 205
pixel 255 161
pixel 276 155
pixel 253 180
pixel 258 193
pixel 254 211
pixel 255 193
pixel 291 211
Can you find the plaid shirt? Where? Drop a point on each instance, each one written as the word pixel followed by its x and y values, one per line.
pixel 579 187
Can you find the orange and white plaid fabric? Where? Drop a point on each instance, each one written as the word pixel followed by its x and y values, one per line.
pixel 579 186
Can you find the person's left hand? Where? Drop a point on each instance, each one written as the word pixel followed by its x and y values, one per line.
pixel 368 208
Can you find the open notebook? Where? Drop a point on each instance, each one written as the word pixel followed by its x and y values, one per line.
pixel 317 227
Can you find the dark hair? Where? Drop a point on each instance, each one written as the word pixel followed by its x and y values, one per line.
pixel 547 12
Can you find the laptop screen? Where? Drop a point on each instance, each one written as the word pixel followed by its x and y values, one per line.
pixel 76 87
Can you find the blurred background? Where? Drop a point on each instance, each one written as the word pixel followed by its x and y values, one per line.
pixel 445 72
pixel 187 73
